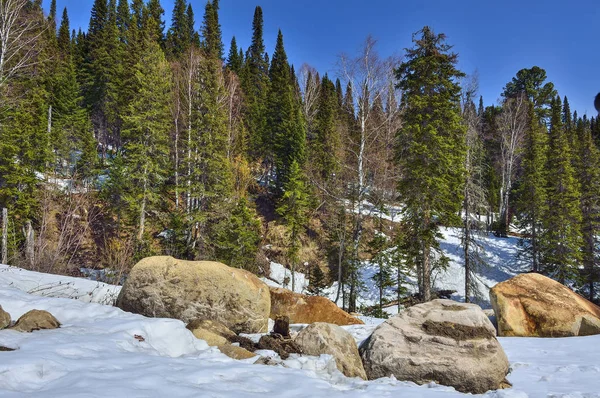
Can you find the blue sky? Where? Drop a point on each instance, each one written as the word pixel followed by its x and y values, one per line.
pixel 494 38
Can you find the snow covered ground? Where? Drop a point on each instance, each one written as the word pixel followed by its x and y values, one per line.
pixel 95 354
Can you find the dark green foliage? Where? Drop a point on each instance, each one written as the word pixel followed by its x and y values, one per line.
pixel 235 59
pixel 561 241
pixel 211 31
pixel 317 281
pixel 325 146
pixel 255 83
pixel 178 38
pixel 284 118
pixel 433 159
pixel 532 199
pixel 531 82
pixel 238 237
pixel 588 174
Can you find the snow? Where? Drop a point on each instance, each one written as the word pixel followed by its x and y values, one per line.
pixel 279 275
pixel 95 353
pixel 58 286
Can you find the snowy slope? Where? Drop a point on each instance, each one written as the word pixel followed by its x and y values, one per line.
pixel 58 286
pixel 95 354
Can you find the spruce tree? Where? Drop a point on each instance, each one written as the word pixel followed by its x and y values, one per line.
pixel 561 241
pixel 255 83
pixel 146 131
pixel 532 200
pixel 588 174
pixel 325 146
pixel 433 160
pixel 284 121
pixel 234 62
pixel 211 31
pixel 293 208
pixel 178 39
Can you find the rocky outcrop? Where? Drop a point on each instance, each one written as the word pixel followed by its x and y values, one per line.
pixel 36 320
pixel 4 319
pixel 325 338
pixel 441 341
pixel 532 305
pixel 236 352
pixel 188 290
pixel 300 308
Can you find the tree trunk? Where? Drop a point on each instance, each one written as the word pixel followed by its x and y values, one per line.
pixel 143 206
pixel 426 262
pixel 29 244
pixel 4 258
pixel 466 251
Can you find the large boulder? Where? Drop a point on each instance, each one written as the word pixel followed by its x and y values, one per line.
pixel 188 290
pixel 532 305
pixel 300 308
pixel 325 338
pixel 36 320
pixel 442 341
pixel 4 318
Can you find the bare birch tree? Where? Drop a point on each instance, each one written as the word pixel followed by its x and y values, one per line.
pixel 512 123
pixel 309 87
pixel 367 76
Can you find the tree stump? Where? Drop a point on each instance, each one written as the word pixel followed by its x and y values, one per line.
pixel 282 326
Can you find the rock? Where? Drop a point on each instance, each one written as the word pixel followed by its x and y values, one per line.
pixel 301 308
pixel 282 326
pixel 2 348
pixel 36 320
pixel 532 305
pixel 325 338
pixel 443 341
pixel 210 331
pixel 188 290
pixel 236 352
pixel 283 347
pixel 4 319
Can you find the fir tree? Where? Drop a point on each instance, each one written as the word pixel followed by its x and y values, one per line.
pixel 532 200
pixel 433 161
pixel 153 20
pixel 234 62
pixel 562 239
pixel 284 117
pixel 293 208
pixel 178 39
pixel 325 146
pixel 588 174
pixel 255 83
pixel 146 132
pixel 211 31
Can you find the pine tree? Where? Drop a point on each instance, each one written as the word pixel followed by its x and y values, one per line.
pixel 238 238
pixel 284 117
pixel 562 239
pixel 588 174
pixel 178 39
pixel 433 159
pixel 255 84
pixel 234 61
pixel 293 208
pixel 532 200
pixel 211 31
pixel 145 133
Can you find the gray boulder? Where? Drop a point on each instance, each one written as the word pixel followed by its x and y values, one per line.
pixel 442 341
pixel 326 338
pixel 4 319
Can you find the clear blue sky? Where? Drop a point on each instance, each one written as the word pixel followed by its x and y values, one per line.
pixel 494 38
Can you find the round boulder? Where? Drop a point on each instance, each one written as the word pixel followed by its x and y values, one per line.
pixel 300 308
pixel 442 341
pixel 4 319
pixel 532 305
pixel 187 290
pixel 36 320
pixel 325 338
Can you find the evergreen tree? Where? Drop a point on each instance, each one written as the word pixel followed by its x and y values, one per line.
pixel 238 238
pixel 178 40
pixel 234 61
pixel 153 21
pixel 211 31
pixel 532 200
pixel 325 146
pixel 317 281
pixel 588 173
pixel 433 159
pixel 64 34
pixel 293 208
pixel 562 239
pixel 255 84
pixel 145 133
pixel 284 117
pixel 531 82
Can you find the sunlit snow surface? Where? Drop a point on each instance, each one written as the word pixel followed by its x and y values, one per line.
pixel 96 354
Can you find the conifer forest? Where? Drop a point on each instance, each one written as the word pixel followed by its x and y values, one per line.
pixel 141 136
